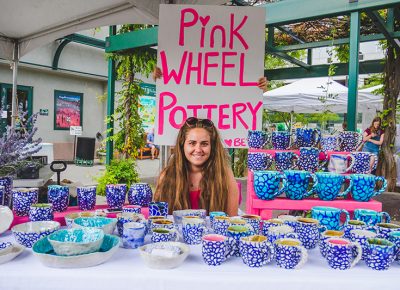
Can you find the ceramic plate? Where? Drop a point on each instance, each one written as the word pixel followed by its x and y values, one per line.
pixel 8 256
pixel 44 251
pixel 6 218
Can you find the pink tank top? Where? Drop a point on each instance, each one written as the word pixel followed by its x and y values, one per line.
pixel 194 197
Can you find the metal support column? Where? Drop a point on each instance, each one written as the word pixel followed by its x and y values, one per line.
pixel 110 103
pixel 14 104
pixel 353 71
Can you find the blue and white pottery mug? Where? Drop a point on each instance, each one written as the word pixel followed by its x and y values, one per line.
pixel 280 140
pixel 127 217
pixel 133 235
pixel 290 254
pixel 329 185
pixel 193 230
pixel 266 224
pixel 361 237
pixel 371 217
pixel 234 234
pixel 215 249
pixel 41 212
pixel 267 184
pixel 254 221
pixel 164 235
pixel 132 208
pixel 349 141
pixel 158 208
pixel 257 139
pixel 163 223
pixel 2 194
pixel 298 182
pixel 363 188
pixel 307 137
pixel 394 237
pixel 380 253
pixel 353 225
pixel 86 197
pixel 256 251
pixel 308 230
pixel 58 196
pixel 289 220
pixel 384 229
pixel 220 225
pixel 259 161
pixel 214 214
pixel 309 159
pixel 329 216
pixel 140 194
pixel 7 182
pixel 361 162
pixel 285 160
pixel 325 236
pixel 23 198
pixel 330 143
pixel 115 195
pixel 281 232
pixel 340 253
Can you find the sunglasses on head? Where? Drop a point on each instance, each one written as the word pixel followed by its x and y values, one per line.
pixel 193 121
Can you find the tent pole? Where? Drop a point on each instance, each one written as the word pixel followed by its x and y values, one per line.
pixel 290 128
pixel 14 84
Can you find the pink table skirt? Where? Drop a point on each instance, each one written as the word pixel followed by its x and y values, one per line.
pixel 59 216
pixel 321 155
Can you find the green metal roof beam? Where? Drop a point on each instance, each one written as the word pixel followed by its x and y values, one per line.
pixel 293 11
pixel 86 40
pixel 290 59
pixel 290 33
pixel 138 38
pixel 387 31
pixel 57 55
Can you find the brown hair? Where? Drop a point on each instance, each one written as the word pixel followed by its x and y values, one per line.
pixel 173 183
pixel 372 128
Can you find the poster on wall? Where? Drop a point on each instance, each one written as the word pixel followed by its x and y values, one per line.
pixel 211 58
pixel 67 109
pixel 147 109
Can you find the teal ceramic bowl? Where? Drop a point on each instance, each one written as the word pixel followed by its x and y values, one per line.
pixel 104 223
pixel 76 241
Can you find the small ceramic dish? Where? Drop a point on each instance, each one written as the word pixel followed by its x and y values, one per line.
pixel 6 218
pixel 164 255
pixel 69 218
pixel 76 241
pixel 5 248
pixel 28 233
pixel 104 223
pixel 12 251
pixel 179 214
pixel 45 252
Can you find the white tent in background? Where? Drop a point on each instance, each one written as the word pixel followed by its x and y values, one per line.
pixel 371 103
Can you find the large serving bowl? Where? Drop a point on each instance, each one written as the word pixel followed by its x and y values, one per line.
pixel 6 218
pixel 104 223
pixel 164 255
pixel 76 241
pixel 28 233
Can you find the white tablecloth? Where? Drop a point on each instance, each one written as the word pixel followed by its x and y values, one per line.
pixel 125 270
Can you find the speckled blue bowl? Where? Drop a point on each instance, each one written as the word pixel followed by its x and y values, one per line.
pixel 28 233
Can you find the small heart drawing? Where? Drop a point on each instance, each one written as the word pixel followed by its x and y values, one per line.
pixel 228 142
pixel 204 20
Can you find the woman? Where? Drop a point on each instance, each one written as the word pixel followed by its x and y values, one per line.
pixel 198 173
pixel 373 139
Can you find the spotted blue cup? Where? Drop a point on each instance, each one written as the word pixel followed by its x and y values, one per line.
pixel 371 217
pixel 164 235
pixel 234 234
pixel 257 139
pixel 309 159
pixel 394 237
pixel 340 253
pixel 140 194
pixel 353 225
pixel 193 230
pixel 266 184
pixel 215 249
pixel 325 236
pixel 7 182
pixel 220 225
pixel 290 254
pixel 214 214
pixel 115 195
pixel 361 237
pixel 380 254
pixel 330 143
pixel 329 216
pixel 349 141
pixel 285 160
pixel 330 184
pixel 58 196
pixel 254 221
pixel 23 198
pixel 361 162
pixel 41 212
pixel 363 188
pixel 256 251
pixel 308 231
pixel 298 182
pixel 86 197
pixel 133 235
pixel 307 137
pixel 267 224
pixel 384 229
pixel 158 208
pixel 280 140
pixel 259 161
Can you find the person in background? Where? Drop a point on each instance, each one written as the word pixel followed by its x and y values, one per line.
pixel 150 144
pixel 272 128
pixel 373 139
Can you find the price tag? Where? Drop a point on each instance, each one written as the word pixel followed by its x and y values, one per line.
pixel 75 130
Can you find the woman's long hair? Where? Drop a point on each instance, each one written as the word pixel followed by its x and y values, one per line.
pixel 372 128
pixel 173 183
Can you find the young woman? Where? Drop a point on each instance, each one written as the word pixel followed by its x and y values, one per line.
pixel 373 139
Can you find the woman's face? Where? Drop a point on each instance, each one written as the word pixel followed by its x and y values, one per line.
pixel 377 124
pixel 197 146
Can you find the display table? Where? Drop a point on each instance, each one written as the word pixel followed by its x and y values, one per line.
pixel 322 155
pixel 126 270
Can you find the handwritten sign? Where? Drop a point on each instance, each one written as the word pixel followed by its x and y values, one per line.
pixel 211 58
pixel 75 130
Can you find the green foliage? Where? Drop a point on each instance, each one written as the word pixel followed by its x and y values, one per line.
pixel 119 171
pixel 241 164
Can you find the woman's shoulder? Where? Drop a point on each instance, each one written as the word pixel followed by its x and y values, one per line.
pixel 368 130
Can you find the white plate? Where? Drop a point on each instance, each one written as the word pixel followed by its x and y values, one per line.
pixel 6 218
pixel 8 256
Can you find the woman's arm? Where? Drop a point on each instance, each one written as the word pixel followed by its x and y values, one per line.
pixel 366 137
pixel 233 195
pixel 377 142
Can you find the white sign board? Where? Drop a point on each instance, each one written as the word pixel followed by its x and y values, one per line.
pixel 75 130
pixel 4 114
pixel 211 58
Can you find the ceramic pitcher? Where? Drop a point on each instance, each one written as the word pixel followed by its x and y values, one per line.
pixel 257 139
pixel 349 141
pixel 309 159
pixel 363 188
pixel 307 137
pixel 280 140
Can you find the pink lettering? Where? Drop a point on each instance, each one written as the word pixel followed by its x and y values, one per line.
pixel 209 109
pixel 237 110
pixel 172 74
pixel 191 67
pixel 223 35
pixel 163 107
pixel 222 116
pixel 226 65
pixel 183 23
pixel 173 114
pixel 241 74
pixel 208 65
pixel 253 112
pixel 194 108
pixel 234 32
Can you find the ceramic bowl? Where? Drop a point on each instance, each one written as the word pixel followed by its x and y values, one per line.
pixel 76 241
pixel 45 252
pixel 5 248
pixel 6 218
pixel 164 255
pixel 179 214
pixel 104 223
pixel 69 218
pixel 28 233
pixel 12 251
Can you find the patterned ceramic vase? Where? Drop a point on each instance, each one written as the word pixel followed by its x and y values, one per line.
pixel 329 185
pixel 309 159
pixel 307 137
pixel 86 196
pixel 360 162
pixel 259 161
pixel 349 141
pixel 23 198
pixel 256 251
pixel 329 216
pixel 158 208
pixel 361 237
pixel 164 235
pixel 330 143
pixel 285 160
pixel 298 182
pixel 394 237
pixel 58 196
pixel 266 184
pixel 215 249
pixel 115 195
pixel 308 230
pixel 257 139
pixel 193 230
pixel 371 217
pixel 140 194
pixel 7 182
pixel 280 140
pixel 325 236
pixel 353 225
pixel 340 253
pixel 363 188
pixel 290 254
pixel 41 212
pixel 380 254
